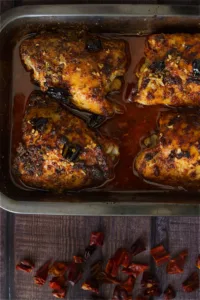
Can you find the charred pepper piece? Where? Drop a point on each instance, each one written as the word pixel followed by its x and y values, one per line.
pixel 151 284
pixel 97 238
pixel 160 255
pixel 25 265
pixel 91 285
pixel 57 283
pixel 89 251
pixel 169 293
pixel 122 257
pixel 71 151
pixel 61 293
pixel 119 294
pixel 42 273
pixel 135 269
pixel 58 268
pixel 112 268
pixel 39 123
pixel 191 283
pixel 93 45
pixel 176 265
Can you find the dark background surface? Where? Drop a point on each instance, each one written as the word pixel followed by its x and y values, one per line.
pixel 60 237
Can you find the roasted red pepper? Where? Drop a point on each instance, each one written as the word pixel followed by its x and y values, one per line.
pixel 135 269
pixel 91 285
pixel 198 262
pixel 42 273
pixel 176 265
pixel 112 268
pixel 138 247
pixel 128 284
pixel 25 265
pixel 75 273
pixel 96 238
pixel 191 283
pixel 151 284
pixel 169 293
pixel 58 268
pixel 122 257
pixel 78 259
pixel 57 283
pixel 60 293
pixel 119 294
pixel 160 255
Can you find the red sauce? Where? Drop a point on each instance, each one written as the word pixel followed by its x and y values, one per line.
pixel 128 128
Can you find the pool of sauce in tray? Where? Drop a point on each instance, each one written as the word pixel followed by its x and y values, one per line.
pixel 128 128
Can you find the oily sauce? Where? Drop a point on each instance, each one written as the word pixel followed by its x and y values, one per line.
pixel 128 128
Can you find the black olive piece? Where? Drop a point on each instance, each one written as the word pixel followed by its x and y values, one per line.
pixel 196 67
pixel 71 152
pixel 95 121
pixel 89 251
pixel 59 94
pixel 39 123
pixel 93 45
pixel 157 65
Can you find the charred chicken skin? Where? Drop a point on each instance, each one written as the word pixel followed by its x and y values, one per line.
pixel 58 150
pixel 86 66
pixel 172 157
pixel 170 74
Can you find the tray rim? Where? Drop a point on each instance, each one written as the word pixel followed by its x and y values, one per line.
pixel 99 208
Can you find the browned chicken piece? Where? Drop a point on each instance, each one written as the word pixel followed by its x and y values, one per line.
pixel 170 74
pixel 172 157
pixel 58 150
pixel 87 66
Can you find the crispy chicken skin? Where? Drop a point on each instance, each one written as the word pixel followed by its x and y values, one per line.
pixel 170 74
pixel 86 66
pixel 174 157
pixel 58 151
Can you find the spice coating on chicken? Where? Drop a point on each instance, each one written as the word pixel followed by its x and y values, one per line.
pixel 86 66
pixel 174 159
pixel 170 74
pixel 58 150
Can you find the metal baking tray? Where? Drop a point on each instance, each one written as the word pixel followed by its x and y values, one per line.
pixel 120 19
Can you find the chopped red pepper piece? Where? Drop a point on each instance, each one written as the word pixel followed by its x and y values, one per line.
pixel 96 238
pixel 25 265
pixel 91 285
pixel 42 273
pixel 105 278
pixel 191 283
pixel 61 293
pixel 75 273
pixel 58 268
pixel 128 284
pixel 135 269
pixel 160 255
pixel 151 284
pixel 169 293
pixel 112 268
pixel 176 265
pixel 122 257
pixel 119 294
pixel 198 262
pixel 138 247
pixel 78 259
pixel 57 283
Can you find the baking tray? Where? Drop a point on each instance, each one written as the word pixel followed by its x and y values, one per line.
pixel 120 19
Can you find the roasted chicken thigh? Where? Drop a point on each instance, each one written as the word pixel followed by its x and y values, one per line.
pixel 86 66
pixel 58 150
pixel 170 74
pixel 172 156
